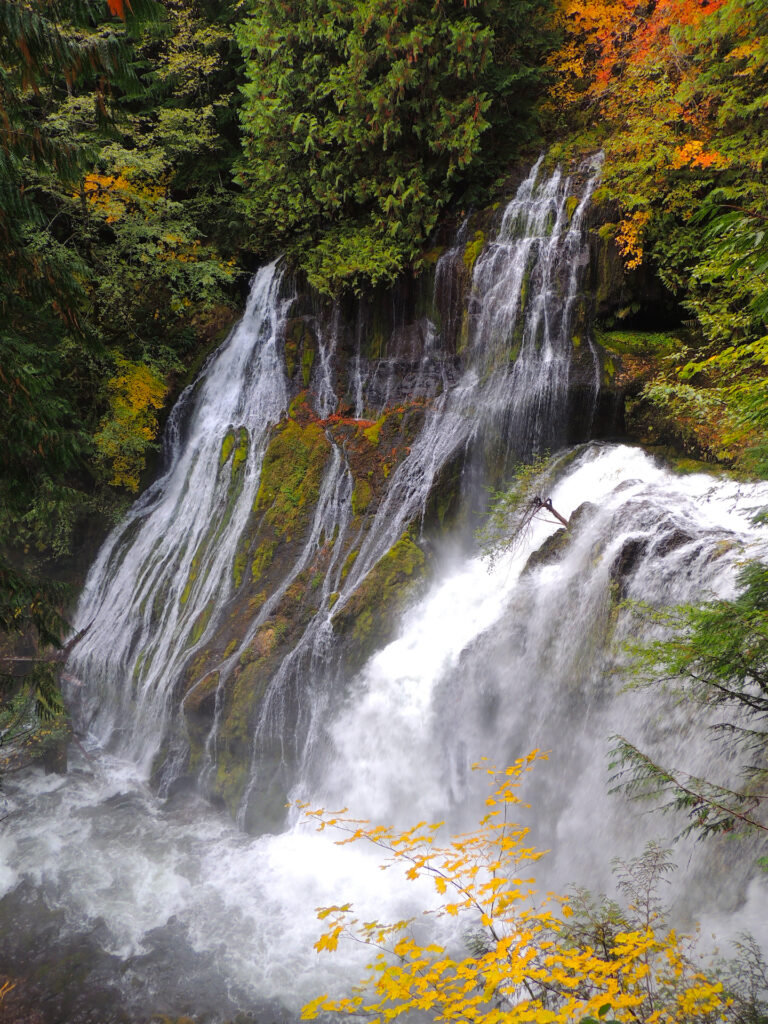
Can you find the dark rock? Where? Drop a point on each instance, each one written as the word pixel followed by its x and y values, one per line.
pixel 549 551
pixel 625 563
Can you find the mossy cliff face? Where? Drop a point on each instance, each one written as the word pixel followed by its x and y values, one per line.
pixel 272 605
pixel 369 616
pixel 361 375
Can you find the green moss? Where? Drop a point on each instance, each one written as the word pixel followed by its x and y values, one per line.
pixel 316 580
pixel 349 561
pixel 262 558
pixel 298 406
pixel 333 598
pixel 226 446
pixel 241 450
pixel 291 476
pixel 233 754
pixel 638 343
pixel 238 568
pixel 372 608
pixel 293 335
pixel 607 232
pixel 138 666
pixel 307 359
pixel 363 625
pixel 571 205
pixel 463 338
pixel 473 249
pixel 198 626
pixel 193 569
pixel 361 496
pixel 231 648
pixel 372 432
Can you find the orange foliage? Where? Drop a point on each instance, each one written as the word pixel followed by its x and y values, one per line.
pixel 602 37
pixel 693 154
pixel 629 238
pixel 631 67
pixel 118 7
pixel 115 194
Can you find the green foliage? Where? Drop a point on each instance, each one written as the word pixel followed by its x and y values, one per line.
pixel 638 342
pixel 675 96
pixel 41 293
pixel 118 137
pixel 362 119
pixel 512 511
pixel 714 656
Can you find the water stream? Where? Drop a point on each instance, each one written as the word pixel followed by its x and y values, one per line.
pixel 187 912
pixel 121 898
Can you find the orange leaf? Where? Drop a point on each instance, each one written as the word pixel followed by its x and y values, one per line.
pixel 117 7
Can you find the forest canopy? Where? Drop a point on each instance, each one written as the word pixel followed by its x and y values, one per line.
pixel 362 120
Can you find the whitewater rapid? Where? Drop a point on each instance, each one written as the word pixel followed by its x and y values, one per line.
pixel 183 912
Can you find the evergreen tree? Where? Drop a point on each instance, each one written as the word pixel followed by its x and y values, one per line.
pixel 363 119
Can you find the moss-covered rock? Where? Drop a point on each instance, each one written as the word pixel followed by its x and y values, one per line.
pixel 241 451
pixel 262 558
pixel 291 475
pixel 226 447
pixel 201 621
pixel 349 561
pixel 361 496
pixel 300 348
pixel 369 616
pixel 549 551
pixel 473 249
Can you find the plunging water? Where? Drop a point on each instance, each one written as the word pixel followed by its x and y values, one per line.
pixel 190 913
pixel 164 905
pixel 147 595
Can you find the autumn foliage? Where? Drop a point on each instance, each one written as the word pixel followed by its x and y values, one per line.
pixel 524 961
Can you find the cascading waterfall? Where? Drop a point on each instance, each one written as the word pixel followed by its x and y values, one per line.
pixel 158 579
pixel 198 915
pixel 174 909
pixel 518 310
pixel 523 291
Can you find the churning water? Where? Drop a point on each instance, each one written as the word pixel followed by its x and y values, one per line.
pixel 117 903
pixel 189 913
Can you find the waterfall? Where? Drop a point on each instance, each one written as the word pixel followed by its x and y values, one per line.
pixel 160 586
pixel 152 595
pixel 173 907
pixel 197 915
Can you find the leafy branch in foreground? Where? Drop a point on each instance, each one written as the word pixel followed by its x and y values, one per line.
pixel 513 511
pixel 510 959
pixel 710 808
pixel 715 656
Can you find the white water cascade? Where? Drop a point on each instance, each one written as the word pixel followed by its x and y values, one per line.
pixel 149 588
pixel 188 913
pixel 118 903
